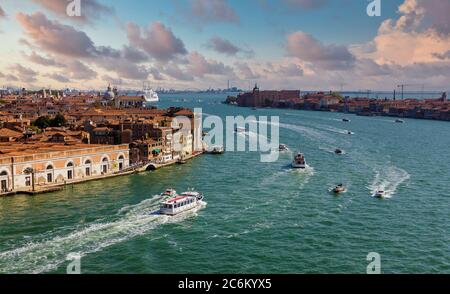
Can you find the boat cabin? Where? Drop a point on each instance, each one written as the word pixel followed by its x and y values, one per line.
pixel 178 204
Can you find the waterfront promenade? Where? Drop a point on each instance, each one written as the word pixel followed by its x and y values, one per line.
pixel 141 167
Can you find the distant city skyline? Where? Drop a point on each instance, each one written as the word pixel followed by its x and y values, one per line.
pixel 200 44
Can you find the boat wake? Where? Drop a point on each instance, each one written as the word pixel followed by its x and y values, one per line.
pixel 40 256
pixel 388 180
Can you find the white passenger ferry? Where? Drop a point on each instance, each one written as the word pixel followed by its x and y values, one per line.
pixel 181 203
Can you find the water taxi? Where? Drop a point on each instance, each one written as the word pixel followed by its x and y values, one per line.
pixel 299 161
pixel 217 150
pixel 339 189
pixel 181 203
pixel 399 121
pixel 338 151
pixel 283 148
pixel 346 120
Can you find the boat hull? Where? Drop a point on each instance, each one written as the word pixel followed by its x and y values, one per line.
pixel 197 204
pixel 298 166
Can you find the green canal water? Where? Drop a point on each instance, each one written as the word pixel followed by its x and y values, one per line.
pixel 260 217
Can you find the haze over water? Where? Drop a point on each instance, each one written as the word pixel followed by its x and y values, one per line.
pixel 260 217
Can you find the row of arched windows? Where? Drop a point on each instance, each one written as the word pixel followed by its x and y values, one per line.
pixel 87 162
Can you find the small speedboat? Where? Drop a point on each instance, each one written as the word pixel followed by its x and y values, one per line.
pixel 380 194
pixel 339 189
pixel 346 120
pixel 217 150
pixel 338 151
pixel 350 133
pixel 299 161
pixel 399 121
pixel 283 148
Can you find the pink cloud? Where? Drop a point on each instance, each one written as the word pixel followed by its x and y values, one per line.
pixel 2 13
pixel 25 74
pixel 55 37
pixel 200 66
pixel 208 11
pixel 91 10
pixel 308 49
pixel 158 41
pixel 224 46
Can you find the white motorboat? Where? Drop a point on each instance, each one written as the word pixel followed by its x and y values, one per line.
pixel 380 194
pixel 299 161
pixel 339 189
pixel 283 147
pixel 338 151
pixel 182 203
pixel 217 150
pixel 399 121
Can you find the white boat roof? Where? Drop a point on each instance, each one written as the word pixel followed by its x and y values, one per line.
pixel 176 200
pixel 190 193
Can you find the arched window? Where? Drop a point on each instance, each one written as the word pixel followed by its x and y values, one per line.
pixel 105 165
pixel 121 160
pixel 50 173
pixel 88 162
pixel 4 182
pixel 70 164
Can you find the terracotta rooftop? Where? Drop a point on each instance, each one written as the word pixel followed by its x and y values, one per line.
pixel 27 149
pixel 4 132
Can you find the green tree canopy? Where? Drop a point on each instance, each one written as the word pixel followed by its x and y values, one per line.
pixel 58 121
pixel 42 122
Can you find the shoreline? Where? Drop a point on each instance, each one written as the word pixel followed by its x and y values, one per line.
pixel 353 113
pixel 61 187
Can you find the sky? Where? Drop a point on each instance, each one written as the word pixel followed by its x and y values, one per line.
pixel 199 44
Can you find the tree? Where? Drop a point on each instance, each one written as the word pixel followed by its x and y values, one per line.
pixel 58 121
pixel 42 122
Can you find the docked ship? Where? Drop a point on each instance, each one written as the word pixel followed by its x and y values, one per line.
pixel 181 203
pixel 299 161
pixel 149 94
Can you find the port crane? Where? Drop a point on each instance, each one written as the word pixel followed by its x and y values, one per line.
pixel 402 86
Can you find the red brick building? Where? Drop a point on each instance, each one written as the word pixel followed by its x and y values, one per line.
pixel 258 98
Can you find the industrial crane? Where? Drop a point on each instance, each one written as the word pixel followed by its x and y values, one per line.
pixel 402 86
